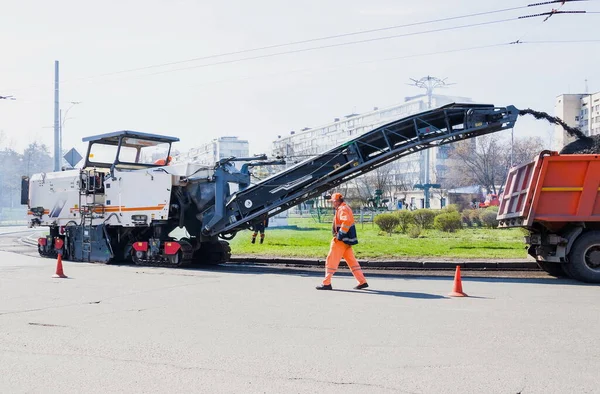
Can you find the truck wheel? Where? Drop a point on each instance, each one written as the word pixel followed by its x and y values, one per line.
pixel 553 269
pixel 567 268
pixel 584 258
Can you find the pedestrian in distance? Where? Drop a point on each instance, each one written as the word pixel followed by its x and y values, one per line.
pixel 260 228
pixel 344 236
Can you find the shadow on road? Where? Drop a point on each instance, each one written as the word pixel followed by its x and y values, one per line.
pixel 467 276
pixel 404 294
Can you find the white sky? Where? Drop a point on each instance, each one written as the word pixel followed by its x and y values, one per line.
pixel 262 98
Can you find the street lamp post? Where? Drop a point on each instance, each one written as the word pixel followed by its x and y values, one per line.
pixel 62 122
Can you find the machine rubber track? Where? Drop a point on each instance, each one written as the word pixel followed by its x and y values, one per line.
pixel 183 259
pixel 49 255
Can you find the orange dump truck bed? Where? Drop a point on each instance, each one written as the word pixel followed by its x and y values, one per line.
pixel 552 190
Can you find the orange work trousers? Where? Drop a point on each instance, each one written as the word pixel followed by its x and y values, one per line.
pixel 338 250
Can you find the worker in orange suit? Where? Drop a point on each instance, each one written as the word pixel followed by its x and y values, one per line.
pixel 162 162
pixel 344 236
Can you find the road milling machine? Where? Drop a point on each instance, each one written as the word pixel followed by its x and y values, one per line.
pixel 122 206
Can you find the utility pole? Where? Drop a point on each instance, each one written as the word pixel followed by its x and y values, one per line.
pixel 429 84
pixel 57 154
pixel 512 145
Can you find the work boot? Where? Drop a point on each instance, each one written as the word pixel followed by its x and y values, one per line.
pixel 361 286
pixel 324 287
pixel 261 240
pixel 253 240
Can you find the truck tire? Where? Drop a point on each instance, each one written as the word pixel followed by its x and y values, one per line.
pixel 553 269
pixel 584 258
pixel 567 269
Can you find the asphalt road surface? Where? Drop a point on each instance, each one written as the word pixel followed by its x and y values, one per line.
pixel 234 329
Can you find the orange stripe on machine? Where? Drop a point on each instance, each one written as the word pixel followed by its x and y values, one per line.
pixel 125 209
pixel 46 212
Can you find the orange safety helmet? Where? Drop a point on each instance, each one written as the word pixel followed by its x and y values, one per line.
pixel 337 197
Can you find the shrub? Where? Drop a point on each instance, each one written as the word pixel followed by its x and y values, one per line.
pixel 465 216
pixel 488 218
pixel 387 222
pixel 493 208
pixel 449 222
pixel 414 231
pixel 405 219
pixel 424 218
pixel 450 208
pixel 474 217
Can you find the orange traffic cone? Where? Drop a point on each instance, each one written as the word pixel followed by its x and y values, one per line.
pixel 457 291
pixel 59 268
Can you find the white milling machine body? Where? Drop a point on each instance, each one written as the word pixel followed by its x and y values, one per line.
pixel 123 204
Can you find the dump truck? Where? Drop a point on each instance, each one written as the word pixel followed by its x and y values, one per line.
pixel 555 198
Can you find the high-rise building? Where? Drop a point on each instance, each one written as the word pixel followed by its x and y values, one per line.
pixel 576 110
pixel 215 150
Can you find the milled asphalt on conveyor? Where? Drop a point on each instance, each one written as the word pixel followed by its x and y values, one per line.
pixel 241 330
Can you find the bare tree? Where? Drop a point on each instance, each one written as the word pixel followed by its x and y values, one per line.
pixel 36 158
pixel 482 161
pixel 359 191
pixel 486 161
pixel 526 149
pixel 10 180
pixel 384 178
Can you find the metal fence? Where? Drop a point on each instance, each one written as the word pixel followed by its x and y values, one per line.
pixel 325 215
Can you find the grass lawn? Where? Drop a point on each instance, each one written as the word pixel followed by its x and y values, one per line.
pixel 311 240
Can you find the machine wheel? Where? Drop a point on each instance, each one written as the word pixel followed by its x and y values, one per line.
pixel 225 251
pixel 137 257
pixel 213 253
pixel 584 258
pixel 553 269
pixel 176 259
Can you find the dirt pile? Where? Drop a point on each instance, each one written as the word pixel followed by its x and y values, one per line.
pixel 585 145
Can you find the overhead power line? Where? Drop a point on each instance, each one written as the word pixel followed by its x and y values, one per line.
pixel 339 44
pixel 553 12
pixel 332 46
pixel 410 56
pixel 330 37
pixel 562 2
pixel 559 41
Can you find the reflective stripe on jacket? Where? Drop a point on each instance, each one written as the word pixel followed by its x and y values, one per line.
pixel 343 224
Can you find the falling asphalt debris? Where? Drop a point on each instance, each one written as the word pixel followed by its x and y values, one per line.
pixel 582 145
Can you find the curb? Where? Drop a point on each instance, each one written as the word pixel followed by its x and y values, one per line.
pixel 400 264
